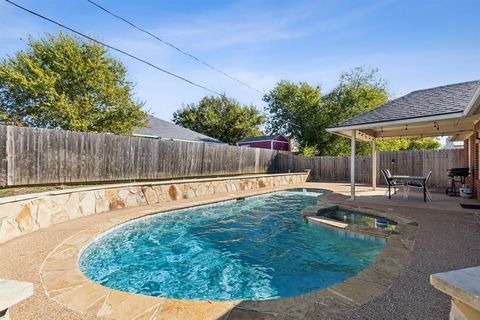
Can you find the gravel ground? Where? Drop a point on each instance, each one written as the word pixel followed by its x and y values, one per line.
pixel 21 259
pixel 445 241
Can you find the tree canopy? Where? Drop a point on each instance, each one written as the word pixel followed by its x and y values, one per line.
pixel 62 82
pixel 303 112
pixel 221 118
pixel 408 144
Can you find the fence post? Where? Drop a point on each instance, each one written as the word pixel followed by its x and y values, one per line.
pixel 3 156
pixel 257 159
pixel 10 156
pixel 203 160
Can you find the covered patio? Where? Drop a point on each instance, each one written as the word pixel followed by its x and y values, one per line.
pixel 451 110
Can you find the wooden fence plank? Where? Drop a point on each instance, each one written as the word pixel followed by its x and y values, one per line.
pixel 3 156
pixel 33 156
pixel 402 162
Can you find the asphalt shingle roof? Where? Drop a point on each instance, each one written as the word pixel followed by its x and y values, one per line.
pixel 259 138
pixel 421 103
pixel 167 130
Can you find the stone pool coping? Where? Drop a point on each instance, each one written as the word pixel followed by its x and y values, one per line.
pixel 66 284
pixel 141 184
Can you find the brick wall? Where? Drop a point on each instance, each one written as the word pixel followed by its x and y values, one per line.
pixel 476 180
pixel 472 148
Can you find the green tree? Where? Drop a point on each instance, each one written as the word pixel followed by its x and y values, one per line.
pixel 221 118
pixel 408 144
pixel 3 118
pixel 308 151
pixel 359 90
pixel 63 82
pixel 297 111
pixel 303 112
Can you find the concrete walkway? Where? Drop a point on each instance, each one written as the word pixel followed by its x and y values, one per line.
pixel 448 238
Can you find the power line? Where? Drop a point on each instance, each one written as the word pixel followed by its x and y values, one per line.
pixel 174 47
pixel 115 49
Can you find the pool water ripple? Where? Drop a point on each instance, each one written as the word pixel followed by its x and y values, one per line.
pixel 255 249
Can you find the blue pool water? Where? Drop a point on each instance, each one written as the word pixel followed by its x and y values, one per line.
pixel 255 249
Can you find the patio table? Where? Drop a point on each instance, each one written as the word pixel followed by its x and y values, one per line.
pixel 405 179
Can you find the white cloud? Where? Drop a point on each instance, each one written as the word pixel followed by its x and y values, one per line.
pixel 216 34
pixel 241 26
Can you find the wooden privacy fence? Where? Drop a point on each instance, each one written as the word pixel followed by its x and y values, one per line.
pixel 33 156
pixel 405 163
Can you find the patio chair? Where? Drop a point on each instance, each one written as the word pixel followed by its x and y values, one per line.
pixel 420 185
pixel 392 184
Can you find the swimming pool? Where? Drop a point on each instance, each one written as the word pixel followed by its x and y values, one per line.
pixel 255 249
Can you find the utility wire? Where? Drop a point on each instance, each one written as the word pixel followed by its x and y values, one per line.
pixel 174 47
pixel 115 49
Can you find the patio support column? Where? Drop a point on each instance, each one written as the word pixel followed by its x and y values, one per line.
pixel 352 166
pixel 374 165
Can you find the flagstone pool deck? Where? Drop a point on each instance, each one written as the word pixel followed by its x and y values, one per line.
pixel 446 238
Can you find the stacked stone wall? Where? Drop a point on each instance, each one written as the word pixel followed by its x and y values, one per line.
pixel 25 214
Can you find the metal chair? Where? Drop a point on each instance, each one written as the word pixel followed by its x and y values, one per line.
pixel 392 184
pixel 420 185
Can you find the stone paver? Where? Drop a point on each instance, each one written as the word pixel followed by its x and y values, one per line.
pixel 463 285
pixel 11 293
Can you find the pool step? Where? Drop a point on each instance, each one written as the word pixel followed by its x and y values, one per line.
pixel 328 222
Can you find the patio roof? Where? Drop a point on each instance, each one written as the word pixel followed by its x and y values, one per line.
pixel 261 138
pixel 446 110
pixel 451 110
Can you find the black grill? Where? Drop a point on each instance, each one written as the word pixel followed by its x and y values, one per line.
pixel 456 176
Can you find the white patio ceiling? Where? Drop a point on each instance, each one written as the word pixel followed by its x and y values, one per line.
pixel 458 128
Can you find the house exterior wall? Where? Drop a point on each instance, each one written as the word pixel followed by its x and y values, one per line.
pixel 281 146
pixel 281 138
pixel 259 144
pixel 278 143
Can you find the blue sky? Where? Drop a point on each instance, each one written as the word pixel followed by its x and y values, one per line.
pixel 416 44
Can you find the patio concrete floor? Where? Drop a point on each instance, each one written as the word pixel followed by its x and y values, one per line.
pixel 447 238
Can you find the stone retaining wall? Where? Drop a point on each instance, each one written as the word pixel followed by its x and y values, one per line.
pixel 24 214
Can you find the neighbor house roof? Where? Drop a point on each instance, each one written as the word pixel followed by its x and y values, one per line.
pixel 449 99
pixel 260 138
pixel 167 130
